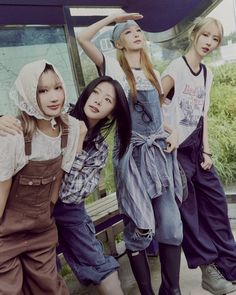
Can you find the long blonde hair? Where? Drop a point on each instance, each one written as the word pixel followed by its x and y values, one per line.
pixel 147 68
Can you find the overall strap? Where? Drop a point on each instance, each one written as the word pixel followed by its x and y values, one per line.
pixel 204 74
pixel 64 136
pixel 64 139
pixel 205 79
pixel 28 149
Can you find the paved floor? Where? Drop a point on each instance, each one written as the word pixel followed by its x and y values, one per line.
pixel 190 279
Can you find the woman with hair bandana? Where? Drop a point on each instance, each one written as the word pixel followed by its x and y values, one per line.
pixel 31 170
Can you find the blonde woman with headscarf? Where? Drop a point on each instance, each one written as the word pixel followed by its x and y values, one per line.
pixel 31 169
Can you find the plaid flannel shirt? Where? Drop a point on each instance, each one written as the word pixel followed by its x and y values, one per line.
pixel 84 174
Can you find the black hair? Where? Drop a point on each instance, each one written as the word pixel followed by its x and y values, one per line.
pixel 120 115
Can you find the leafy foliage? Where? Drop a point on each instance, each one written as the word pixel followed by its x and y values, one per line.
pixel 225 75
pixel 231 37
pixel 109 176
pixel 222 124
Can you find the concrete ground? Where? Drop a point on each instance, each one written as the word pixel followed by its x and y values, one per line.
pixel 190 280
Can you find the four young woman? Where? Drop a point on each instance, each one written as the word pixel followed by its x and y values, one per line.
pixel 147 176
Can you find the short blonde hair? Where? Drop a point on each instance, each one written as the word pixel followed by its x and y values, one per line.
pixel 200 24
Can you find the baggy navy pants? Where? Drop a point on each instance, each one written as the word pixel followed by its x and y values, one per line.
pixel 82 251
pixel 207 234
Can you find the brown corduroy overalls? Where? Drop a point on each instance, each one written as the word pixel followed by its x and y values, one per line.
pixel 28 234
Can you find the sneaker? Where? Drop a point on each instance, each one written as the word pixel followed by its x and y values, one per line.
pixel 214 282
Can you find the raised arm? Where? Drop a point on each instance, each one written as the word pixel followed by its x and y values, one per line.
pixel 84 38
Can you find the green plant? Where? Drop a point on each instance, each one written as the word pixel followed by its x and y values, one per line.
pixel 65 270
pixel 225 75
pixel 109 175
pixel 222 126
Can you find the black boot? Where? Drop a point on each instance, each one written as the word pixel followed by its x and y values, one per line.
pixel 170 267
pixel 139 264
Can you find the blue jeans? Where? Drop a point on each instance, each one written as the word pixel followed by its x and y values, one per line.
pixel 167 218
pixel 82 251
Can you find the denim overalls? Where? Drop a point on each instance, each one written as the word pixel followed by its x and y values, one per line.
pixel 207 233
pixel 147 180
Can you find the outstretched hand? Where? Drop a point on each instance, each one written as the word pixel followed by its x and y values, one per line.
pixel 9 125
pixel 120 18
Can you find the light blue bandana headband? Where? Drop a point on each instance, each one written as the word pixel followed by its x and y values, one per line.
pixel 119 28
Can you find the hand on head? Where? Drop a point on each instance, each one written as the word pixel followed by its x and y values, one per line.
pixel 120 18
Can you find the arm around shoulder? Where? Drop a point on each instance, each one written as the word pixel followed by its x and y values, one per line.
pixel 9 125
pixel 70 151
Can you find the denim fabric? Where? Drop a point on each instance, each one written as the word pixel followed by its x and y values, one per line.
pixel 207 233
pixel 81 249
pixel 151 104
pixel 168 224
pixel 145 176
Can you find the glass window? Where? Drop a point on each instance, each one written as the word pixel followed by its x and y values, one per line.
pixel 102 41
pixel 21 45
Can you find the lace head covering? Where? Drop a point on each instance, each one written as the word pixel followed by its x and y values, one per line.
pixel 24 90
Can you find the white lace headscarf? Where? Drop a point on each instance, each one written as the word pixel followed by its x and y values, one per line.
pixel 24 90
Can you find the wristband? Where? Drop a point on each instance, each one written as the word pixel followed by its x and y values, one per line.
pixel 210 155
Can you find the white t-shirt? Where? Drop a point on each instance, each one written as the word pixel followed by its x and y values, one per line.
pixel 191 97
pixel 12 150
pixel 114 70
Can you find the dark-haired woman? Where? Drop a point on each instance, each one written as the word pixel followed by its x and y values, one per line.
pixel 101 105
